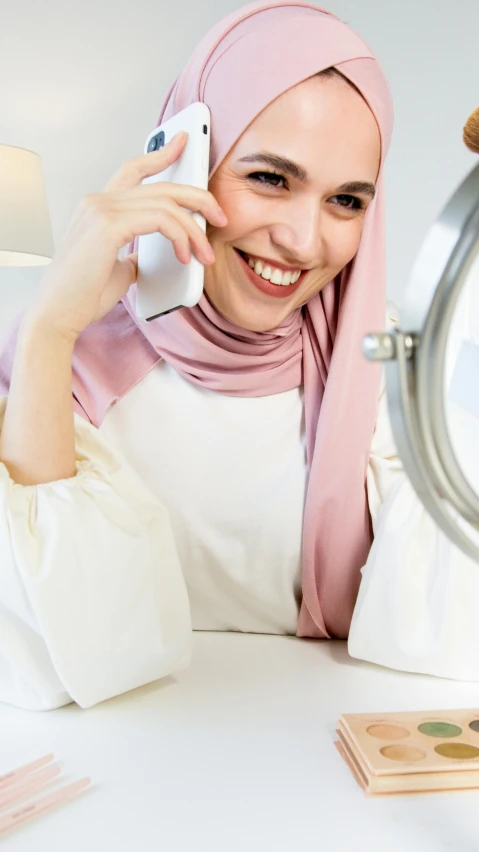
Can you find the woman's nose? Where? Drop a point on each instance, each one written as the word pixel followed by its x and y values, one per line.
pixel 299 232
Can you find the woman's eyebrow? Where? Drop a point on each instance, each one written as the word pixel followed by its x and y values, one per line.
pixel 277 162
pixel 362 187
pixel 299 173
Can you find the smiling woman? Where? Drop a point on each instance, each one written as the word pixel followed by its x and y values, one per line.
pixel 228 466
pixel 323 143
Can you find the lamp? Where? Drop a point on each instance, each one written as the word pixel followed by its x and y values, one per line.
pixel 26 237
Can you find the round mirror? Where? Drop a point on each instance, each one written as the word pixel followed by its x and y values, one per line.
pixel 461 377
pixel 432 366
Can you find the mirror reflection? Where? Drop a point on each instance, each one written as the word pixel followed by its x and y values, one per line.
pixel 461 378
pixel 432 365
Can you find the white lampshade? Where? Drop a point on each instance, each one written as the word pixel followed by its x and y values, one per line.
pixel 26 237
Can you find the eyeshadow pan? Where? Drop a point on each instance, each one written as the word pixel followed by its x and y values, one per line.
pixel 439 729
pixel 474 725
pixel 457 751
pixel 403 752
pixel 388 732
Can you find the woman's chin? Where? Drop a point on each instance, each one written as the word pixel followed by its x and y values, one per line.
pixel 248 311
pixel 249 314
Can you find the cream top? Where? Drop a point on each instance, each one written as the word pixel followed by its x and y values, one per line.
pixel 186 512
pixel 232 473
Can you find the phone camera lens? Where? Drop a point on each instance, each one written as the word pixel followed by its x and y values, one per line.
pixel 156 142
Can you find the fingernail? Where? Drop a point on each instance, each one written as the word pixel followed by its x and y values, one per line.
pixel 175 137
pixel 222 216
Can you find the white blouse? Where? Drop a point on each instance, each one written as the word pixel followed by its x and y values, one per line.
pixel 232 473
pixel 186 513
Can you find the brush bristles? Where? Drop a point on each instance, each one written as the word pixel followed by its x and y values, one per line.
pixel 471 132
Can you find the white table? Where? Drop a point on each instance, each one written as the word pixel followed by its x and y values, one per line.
pixel 237 755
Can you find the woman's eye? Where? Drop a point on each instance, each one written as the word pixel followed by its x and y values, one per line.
pixel 267 178
pixel 272 179
pixel 357 203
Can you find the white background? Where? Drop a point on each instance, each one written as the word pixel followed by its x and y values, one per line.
pixel 82 83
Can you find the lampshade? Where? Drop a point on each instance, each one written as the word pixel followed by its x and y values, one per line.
pixel 26 237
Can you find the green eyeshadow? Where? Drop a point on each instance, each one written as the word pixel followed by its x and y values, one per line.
pixel 439 729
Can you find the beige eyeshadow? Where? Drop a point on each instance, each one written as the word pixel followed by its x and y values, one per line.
pixel 402 752
pixel 388 732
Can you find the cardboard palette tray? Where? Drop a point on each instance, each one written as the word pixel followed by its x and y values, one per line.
pixel 411 752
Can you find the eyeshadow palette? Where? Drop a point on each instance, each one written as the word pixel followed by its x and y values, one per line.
pixel 411 752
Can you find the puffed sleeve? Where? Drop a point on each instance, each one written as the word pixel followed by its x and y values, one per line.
pixel 417 608
pixel 92 597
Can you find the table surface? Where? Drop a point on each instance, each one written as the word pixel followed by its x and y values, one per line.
pixel 236 754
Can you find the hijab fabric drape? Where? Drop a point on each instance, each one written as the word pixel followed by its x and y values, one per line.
pixel 240 66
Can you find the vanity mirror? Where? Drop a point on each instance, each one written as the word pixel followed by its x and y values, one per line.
pixel 432 365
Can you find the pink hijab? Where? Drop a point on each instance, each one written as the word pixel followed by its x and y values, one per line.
pixel 319 345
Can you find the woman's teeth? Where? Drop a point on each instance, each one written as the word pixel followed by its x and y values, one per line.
pixel 276 276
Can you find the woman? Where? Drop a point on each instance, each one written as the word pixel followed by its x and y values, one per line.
pixel 225 464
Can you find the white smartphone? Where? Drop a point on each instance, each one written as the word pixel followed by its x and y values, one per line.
pixel 164 284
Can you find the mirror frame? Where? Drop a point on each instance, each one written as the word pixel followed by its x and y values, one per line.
pixel 415 363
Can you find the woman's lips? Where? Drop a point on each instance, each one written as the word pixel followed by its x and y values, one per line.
pixel 278 291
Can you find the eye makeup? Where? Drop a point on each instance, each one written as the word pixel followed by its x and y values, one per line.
pixel 270 180
pixel 411 752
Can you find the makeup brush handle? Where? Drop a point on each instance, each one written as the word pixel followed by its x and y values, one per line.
pixel 16 774
pixel 46 803
pixel 27 785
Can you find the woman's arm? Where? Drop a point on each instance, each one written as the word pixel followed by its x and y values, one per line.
pixel 92 597
pixel 84 281
pixel 37 443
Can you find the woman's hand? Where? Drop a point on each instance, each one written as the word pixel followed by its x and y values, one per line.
pixel 85 278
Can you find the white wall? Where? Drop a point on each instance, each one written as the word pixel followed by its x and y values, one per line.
pixel 82 83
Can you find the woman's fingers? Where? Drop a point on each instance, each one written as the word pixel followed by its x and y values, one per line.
pixel 172 222
pixel 85 278
pixel 196 239
pixel 137 204
pixel 134 170
pixel 131 174
pixel 189 197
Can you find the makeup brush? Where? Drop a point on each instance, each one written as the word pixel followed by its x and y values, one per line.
pixel 471 132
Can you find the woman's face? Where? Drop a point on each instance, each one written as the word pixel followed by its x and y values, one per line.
pixel 283 187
